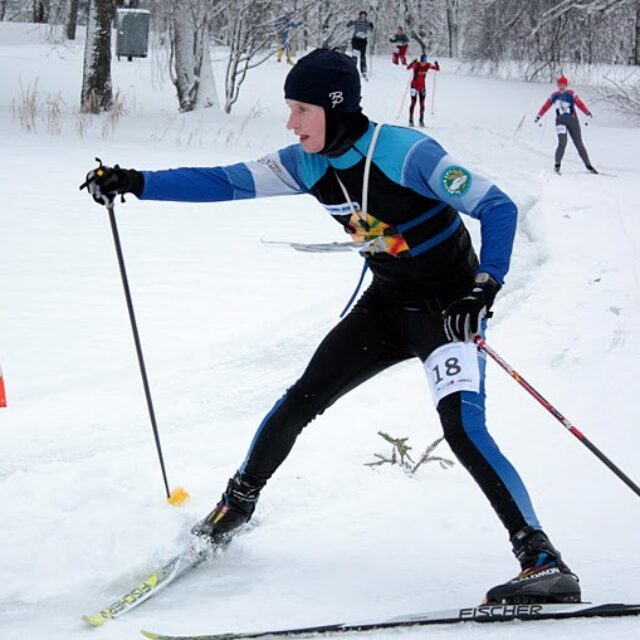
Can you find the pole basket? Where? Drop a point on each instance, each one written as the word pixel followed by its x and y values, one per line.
pixel 178 497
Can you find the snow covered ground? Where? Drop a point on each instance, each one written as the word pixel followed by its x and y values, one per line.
pixel 227 323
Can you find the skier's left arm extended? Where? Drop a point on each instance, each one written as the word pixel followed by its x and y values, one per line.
pixel 275 174
pixel 430 170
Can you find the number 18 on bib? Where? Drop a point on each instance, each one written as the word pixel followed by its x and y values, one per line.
pixel 451 368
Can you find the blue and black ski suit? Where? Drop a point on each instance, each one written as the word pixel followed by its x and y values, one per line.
pixel 421 258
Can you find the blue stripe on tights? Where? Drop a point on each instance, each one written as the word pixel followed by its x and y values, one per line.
pixel 474 424
pixel 276 406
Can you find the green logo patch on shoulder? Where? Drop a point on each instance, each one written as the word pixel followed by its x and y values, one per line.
pixel 455 180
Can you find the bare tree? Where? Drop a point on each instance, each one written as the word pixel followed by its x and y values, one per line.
pixel 623 94
pixel 250 30
pixel 72 20
pixel 40 11
pixel 636 44
pixel 191 71
pixel 453 27
pixel 549 34
pixel 97 94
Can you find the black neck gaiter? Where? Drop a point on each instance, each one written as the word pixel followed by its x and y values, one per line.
pixel 342 131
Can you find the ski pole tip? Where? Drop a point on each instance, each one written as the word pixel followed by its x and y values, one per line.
pixel 178 497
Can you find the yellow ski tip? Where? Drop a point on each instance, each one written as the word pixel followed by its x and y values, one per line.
pixel 95 620
pixel 178 497
pixel 149 634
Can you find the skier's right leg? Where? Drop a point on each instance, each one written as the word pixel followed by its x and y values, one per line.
pixel 356 349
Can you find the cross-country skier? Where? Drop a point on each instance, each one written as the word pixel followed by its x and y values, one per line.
pixel 284 24
pixel 419 85
pixel 361 28
pixel 401 40
pixel 565 101
pixel 429 297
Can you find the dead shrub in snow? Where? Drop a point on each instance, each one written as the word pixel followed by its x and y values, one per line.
pixel 54 109
pixel 82 123
pixel 113 116
pixel 26 109
pixel 400 455
pixel 623 94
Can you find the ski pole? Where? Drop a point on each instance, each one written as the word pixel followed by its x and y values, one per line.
pixel 178 496
pixel 517 131
pixel 3 394
pixel 404 97
pixel 557 415
pixel 433 95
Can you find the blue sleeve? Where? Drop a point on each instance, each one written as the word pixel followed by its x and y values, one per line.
pixel 275 174
pixel 429 170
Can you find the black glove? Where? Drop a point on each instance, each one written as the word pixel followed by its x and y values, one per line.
pixel 463 318
pixel 105 183
pixel 537 120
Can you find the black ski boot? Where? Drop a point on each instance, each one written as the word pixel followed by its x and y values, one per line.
pixel 411 124
pixel 556 168
pixel 235 509
pixel 544 576
pixel 591 169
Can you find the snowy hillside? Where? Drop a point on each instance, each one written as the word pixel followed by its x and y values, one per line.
pixel 228 323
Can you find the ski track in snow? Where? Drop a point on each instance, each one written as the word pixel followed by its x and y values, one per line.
pixel 227 324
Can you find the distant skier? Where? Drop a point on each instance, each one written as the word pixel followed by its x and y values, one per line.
pixel 419 86
pixel 565 101
pixel 361 28
pixel 401 40
pixel 398 194
pixel 284 24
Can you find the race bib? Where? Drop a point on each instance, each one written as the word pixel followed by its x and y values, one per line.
pixel 451 368
pixel 561 129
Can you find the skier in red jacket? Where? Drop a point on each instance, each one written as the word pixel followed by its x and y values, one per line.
pixel 418 85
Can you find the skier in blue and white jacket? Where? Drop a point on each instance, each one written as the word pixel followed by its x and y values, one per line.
pixel 399 195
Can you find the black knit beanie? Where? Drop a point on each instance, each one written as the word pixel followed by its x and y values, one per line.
pixel 325 78
pixel 330 79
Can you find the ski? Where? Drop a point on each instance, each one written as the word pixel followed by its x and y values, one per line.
pixel 481 613
pixel 317 247
pixel 156 582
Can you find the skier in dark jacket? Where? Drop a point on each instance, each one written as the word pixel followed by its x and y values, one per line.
pixel 359 40
pixel 398 194
pixel 565 101
pixel 401 40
